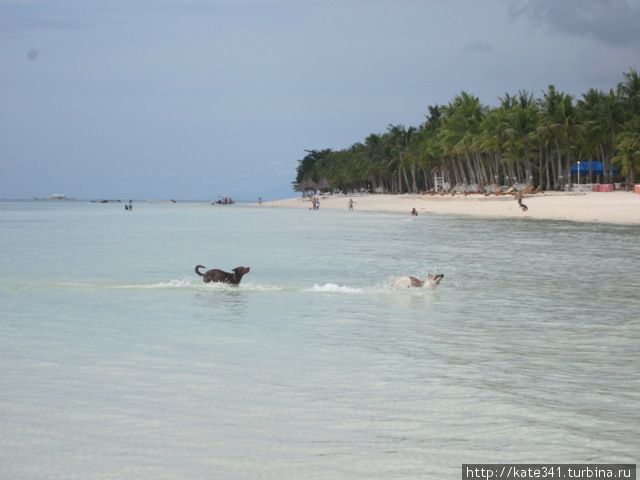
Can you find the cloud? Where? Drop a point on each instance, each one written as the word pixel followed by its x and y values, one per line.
pixel 614 22
pixel 478 46
pixel 20 25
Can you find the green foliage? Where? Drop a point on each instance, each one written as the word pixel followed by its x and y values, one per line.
pixel 524 139
pixel 628 148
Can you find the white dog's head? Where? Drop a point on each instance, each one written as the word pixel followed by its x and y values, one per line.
pixel 434 280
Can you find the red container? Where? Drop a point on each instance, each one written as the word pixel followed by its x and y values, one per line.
pixel 636 188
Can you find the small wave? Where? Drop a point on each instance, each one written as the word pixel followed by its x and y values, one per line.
pixel 191 284
pixel 379 289
pixel 334 288
pixel 404 283
pixel 394 284
pixel 249 287
pixel 399 282
pixel 254 287
pixel 181 283
pixel 171 284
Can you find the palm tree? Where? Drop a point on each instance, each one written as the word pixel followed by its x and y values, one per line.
pixel 425 144
pixel 602 116
pixel 372 156
pixel 491 141
pixel 468 143
pixel 549 113
pixel 400 137
pixel 523 123
pixel 629 90
pixel 307 171
pixel 628 147
pixel 558 116
pixel 589 108
pixel 460 128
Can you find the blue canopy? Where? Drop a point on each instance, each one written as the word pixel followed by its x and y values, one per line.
pixel 596 168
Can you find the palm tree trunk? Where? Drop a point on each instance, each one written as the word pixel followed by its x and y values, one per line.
pixel 527 165
pixel 463 172
pixel 446 172
pixel 414 184
pixel 556 176
pixel 454 175
pixel 457 174
pixel 518 172
pixel 470 167
pixel 481 168
pixel 406 178
pixel 567 146
pixel 603 159
pixel 478 168
pixel 540 155
pixel 451 175
pixel 613 145
pixel 492 174
pixel 559 172
pixel 547 162
pixel 512 176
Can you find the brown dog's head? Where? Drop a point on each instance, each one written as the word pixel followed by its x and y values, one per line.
pixel 240 271
pixel 434 280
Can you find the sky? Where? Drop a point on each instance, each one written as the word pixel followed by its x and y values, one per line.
pixel 195 99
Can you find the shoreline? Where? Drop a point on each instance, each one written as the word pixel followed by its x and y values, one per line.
pixel 588 207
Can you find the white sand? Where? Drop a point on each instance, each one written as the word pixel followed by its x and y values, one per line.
pixel 611 207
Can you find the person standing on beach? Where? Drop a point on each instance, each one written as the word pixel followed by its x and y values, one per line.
pixel 414 212
pixel 522 206
pixel 351 202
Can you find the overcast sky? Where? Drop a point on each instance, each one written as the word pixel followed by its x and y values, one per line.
pixel 191 99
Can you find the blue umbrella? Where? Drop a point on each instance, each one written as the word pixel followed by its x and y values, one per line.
pixel 597 168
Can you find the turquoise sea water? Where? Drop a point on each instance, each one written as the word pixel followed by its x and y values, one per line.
pixel 116 361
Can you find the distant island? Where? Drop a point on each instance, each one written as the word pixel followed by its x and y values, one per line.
pixel 541 142
pixel 54 196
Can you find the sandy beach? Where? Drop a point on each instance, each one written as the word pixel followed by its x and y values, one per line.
pixel 610 207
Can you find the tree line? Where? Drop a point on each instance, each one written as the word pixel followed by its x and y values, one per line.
pixel 524 140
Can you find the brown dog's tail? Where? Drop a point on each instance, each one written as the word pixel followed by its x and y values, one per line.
pixel 197 269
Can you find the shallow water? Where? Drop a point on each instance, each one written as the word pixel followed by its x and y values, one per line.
pixel 116 361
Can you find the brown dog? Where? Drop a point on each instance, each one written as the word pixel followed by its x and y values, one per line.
pixel 433 280
pixel 215 275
